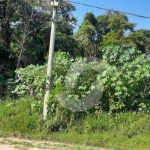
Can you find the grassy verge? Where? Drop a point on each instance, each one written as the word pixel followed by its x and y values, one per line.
pixel 122 131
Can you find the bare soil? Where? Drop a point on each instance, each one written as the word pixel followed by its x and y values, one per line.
pixel 25 144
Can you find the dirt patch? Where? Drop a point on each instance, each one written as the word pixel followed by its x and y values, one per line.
pixel 25 144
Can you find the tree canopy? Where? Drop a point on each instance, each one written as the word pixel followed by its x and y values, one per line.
pixel 24 43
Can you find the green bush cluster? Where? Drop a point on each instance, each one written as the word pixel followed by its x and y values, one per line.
pixel 123 75
pixel 127 88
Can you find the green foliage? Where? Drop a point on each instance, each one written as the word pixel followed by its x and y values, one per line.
pixel 107 29
pixel 25 32
pixel 31 80
pixel 6 70
pixel 103 122
pixel 127 88
pixel 84 85
pixel 20 116
pixel 117 25
pixel 6 87
pixel 113 38
pixel 125 82
pixel 87 36
pixel 24 117
pixel 118 22
pixel 140 39
pixel 119 55
pixel 1 84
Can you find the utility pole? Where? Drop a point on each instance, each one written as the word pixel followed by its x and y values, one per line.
pixel 54 3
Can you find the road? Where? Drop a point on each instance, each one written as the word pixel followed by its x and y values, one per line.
pixel 26 144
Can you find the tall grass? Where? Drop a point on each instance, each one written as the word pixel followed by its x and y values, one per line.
pixel 130 130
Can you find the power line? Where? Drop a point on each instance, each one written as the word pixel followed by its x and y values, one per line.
pixel 128 13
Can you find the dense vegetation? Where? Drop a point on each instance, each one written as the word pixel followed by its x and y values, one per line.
pixel 122 112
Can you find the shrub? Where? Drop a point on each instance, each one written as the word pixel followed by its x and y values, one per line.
pixel 20 116
pixel 127 87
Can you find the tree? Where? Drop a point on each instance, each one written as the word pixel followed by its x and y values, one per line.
pixel 36 30
pixel 5 18
pixel 65 36
pixel 95 33
pixel 140 39
pixel 7 61
pixel 102 26
pixel 87 36
pixel 26 40
pixel 118 27
pixel 27 33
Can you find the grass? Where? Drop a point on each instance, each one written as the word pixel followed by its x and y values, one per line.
pixel 105 140
pixel 94 141
pixel 122 131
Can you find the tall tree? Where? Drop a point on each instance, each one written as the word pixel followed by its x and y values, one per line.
pixel 87 36
pixel 118 28
pixel 24 33
pixel 6 19
pixel 107 29
pixel 65 27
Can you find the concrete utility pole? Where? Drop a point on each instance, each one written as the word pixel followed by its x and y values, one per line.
pixel 54 3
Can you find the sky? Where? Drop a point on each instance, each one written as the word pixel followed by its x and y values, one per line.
pixel 140 7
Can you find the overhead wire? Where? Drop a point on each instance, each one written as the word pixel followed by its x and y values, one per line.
pixel 128 13
pixel 106 9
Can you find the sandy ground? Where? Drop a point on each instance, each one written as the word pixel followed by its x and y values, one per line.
pixel 24 144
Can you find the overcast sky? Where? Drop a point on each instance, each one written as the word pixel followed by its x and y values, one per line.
pixel 140 7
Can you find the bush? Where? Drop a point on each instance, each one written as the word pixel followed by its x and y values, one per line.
pixel 127 88
pixel 32 79
pixel 20 116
